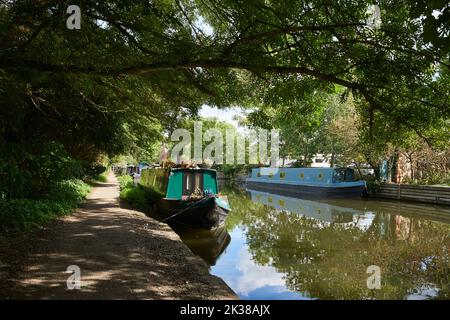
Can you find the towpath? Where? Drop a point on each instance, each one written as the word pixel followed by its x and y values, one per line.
pixel 121 254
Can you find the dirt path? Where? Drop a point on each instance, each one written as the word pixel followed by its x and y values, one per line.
pixel 122 254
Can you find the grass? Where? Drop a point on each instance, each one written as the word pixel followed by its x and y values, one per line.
pixel 25 214
pixel 125 181
pixel 135 197
pixel 132 194
pixel 102 177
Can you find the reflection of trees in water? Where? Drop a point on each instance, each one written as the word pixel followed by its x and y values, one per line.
pixel 329 260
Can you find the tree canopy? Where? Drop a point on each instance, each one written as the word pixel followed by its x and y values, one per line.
pixel 138 66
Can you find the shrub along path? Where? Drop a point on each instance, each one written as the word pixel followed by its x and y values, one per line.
pixel 122 254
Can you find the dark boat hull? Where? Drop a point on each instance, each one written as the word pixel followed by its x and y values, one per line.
pixel 303 191
pixel 202 214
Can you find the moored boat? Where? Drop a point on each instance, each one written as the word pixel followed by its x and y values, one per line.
pixel 307 182
pixel 185 196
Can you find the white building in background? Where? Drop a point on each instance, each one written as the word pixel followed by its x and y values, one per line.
pixel 321 161
pixel 318 161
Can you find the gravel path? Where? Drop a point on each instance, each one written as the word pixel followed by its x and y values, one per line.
pixel 122 254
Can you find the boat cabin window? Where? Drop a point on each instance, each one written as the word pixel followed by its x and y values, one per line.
pixel 191 182
pixel 343 175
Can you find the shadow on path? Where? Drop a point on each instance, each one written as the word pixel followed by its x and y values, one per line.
pixel 122 254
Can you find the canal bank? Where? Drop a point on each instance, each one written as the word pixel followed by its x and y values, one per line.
pixel 120 253
pixel 416 193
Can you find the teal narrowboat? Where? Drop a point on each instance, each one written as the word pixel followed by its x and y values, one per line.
pixel 307 182
pixel 185 196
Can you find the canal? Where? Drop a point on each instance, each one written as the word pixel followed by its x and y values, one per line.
pixel 277 247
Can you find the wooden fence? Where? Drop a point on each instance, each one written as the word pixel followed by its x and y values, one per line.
pixel 427 194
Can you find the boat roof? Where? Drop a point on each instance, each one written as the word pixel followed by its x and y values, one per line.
pixel 184 169
pixel 193 169
pixel 304 168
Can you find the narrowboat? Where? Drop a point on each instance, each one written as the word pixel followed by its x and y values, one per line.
pixel 307 182
pixel 185 196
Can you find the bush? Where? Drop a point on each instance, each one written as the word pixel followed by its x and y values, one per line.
pixel 135 197
pixel 231 171
pixel 373 186
pixel 24 214
pixel 29 170
pixel 102 177
pixel 125 181
pixel 94 171
pixel 70 190
pixel 436 177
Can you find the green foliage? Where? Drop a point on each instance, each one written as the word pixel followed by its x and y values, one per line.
pixel 39 181
pixel 24 214
pixel 93 170
pixel 208 123
pixel 230 171
pixel 136 70
pixel 139 68
pixel 317 123
pixel 133 195
pixel 102 177
pixel 69 190
pixel 373 186
pixel 434 177
pixel 29 170
pixel 125 181
pixel 136 197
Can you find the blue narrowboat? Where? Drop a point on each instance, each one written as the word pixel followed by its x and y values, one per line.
pixel 307 182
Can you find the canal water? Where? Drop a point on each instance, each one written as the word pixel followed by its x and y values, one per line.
pixel 277 247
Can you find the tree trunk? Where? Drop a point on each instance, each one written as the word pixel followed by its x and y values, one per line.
pixel 395 167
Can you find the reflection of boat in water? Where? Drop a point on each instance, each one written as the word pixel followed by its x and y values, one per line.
pixel 308 208
pixel 208 244
pixel 311 182
pixel 359 211
pixel 390 206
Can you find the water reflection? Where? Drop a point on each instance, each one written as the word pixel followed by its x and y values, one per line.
pixel 311 209
pixel 208 244
pixel 288 248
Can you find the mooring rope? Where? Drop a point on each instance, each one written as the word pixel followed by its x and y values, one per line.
pixel 191 206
